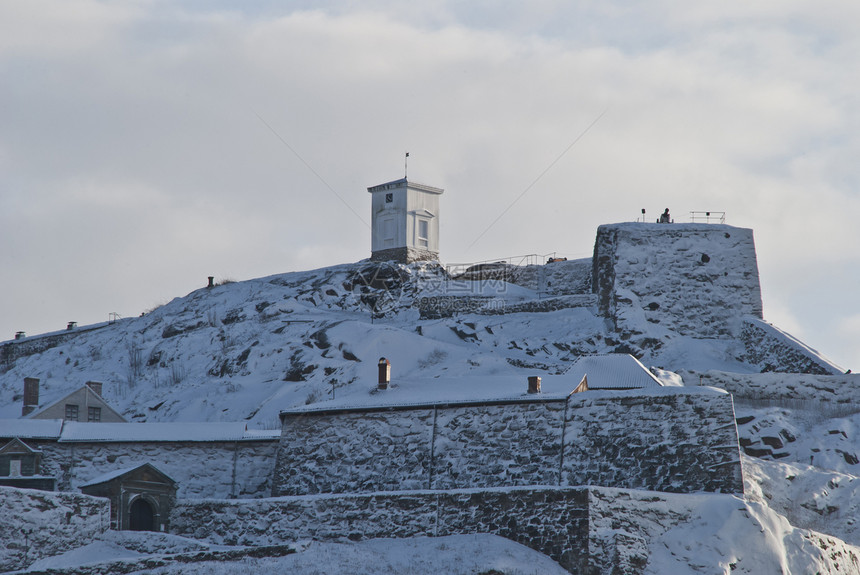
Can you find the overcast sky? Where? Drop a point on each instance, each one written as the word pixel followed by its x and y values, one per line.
pixel 147 145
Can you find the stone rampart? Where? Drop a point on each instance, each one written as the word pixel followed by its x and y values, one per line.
pixel 694 279
pixel 773 350
pixel 672 439
pixel 552 521
pixel 228 469
pixel 38 524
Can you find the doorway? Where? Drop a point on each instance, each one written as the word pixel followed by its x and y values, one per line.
pixel 141 516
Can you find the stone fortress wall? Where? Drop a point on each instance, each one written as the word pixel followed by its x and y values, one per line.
pixel 695 279
pixel 673 440
pixel 222 469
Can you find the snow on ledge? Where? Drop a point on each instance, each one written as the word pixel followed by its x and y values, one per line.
pixel 156 432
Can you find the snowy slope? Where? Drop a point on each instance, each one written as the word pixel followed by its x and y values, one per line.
pixel 244 351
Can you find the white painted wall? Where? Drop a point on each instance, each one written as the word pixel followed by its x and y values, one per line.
pixel 396 223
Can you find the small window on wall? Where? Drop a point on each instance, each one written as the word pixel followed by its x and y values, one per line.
pixel 94 414
pixel 423 233
pixel 71 412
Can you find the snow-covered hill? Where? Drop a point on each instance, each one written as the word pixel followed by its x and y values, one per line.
pixel 244 351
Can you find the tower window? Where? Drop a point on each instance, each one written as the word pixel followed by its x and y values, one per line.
pixel 389 198
pixel 423 233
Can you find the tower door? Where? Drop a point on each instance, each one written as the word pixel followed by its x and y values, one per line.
pixel 387 232
pixel 141 516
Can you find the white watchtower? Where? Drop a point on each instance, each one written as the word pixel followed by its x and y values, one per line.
pixel 404 222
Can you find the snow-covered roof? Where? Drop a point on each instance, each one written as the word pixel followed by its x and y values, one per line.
pixel 612 371
pixel 119 432
pixel 466 390
pixel 72 431
pixel 105 477
pixel 31 428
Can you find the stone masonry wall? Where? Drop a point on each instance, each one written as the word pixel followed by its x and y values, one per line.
pixel 695 279
pixel 679 443
pixel 498 446
pixel 774 351
pixel 552 521
pixel 202 469
pixel 38 524
pixel 354 452
pixel 673 440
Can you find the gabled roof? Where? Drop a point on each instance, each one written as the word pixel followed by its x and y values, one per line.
pixel 110 476
pixel 612 371
pixel 17 446
pixel 96 398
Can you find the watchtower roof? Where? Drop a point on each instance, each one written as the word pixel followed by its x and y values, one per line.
pixel 404 183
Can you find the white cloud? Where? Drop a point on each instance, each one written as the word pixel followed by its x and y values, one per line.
pixel 139 123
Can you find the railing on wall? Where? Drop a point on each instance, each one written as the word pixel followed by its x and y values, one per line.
pixel 708 217
pixel 526 260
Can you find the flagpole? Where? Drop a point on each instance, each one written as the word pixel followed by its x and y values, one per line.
pixel 405 165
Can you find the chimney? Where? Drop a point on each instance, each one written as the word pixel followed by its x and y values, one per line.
pixel 211 282
pixel 96 386
pixel 31 395
pixel 534 384
pixel 384 373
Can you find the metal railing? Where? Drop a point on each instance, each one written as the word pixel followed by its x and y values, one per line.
pixel 526 260
pixel 708 217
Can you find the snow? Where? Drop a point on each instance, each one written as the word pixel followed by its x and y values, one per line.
pixel 455 554
pixel 612 371
pixel 119 432
pixel 31 428
pixel 235 356
pixel 114 474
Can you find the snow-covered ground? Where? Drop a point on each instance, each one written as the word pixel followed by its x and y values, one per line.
pixel 244 351
pixel 456 554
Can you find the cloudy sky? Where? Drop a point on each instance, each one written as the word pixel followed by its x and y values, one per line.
pixel 147 145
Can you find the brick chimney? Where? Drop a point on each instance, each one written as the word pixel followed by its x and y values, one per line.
pixel 384 373
pixel 534 384
pixel 96 386
pixel 31 395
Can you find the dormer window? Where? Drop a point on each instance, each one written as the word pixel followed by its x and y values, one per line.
pixel 71 412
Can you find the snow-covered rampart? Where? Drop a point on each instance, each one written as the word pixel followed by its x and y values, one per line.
pixel 38 524
pixel 775 350
pixel 694 279
pixel 673 439
pixel 202 469
pixel 552 521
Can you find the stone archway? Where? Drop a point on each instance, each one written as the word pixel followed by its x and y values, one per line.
pixel 141 515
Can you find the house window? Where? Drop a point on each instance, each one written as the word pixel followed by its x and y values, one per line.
pixel 423 233
pixel 71 412
pixel 15 468
pixel 94 414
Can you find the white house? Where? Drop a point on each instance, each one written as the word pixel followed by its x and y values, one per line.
pixel 404 221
